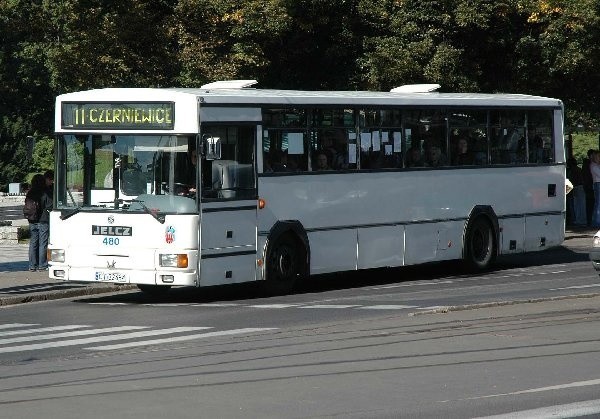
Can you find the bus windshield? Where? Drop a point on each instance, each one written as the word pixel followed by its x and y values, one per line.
pixel 127 172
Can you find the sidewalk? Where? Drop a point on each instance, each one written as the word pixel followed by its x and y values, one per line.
pixel 18 285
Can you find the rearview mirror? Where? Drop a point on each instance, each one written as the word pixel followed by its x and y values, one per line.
pixel 212 147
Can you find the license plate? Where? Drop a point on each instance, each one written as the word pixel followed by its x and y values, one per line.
pixel 111 276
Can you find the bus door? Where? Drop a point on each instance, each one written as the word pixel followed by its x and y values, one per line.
pixel 227 204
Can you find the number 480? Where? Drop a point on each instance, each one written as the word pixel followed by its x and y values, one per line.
pixel 111 241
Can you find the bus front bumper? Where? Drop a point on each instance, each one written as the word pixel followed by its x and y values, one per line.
pixel 125 276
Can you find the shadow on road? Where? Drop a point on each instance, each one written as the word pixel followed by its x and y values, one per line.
pixel 348 280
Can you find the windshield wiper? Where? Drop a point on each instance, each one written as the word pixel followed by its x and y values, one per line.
pixel 64 216
pixel 157 215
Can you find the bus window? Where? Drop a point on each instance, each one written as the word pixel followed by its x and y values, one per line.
pixel 284 140
pixel 468 137
pixel 232 176
pixel 334 139
pixel 539 130
pixel 425 131
pixel 507 142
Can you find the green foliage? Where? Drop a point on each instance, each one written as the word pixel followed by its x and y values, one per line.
pixel 582 142
pixel 43 155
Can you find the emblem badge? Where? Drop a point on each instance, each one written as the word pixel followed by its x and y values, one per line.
pixel 111 219
pixel 111 265
pixel 170 234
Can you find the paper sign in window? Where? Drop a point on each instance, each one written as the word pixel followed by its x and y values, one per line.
pixel 295 143
pixel 351 153
pixel 376 141
pixel 365 141
pixel 397 142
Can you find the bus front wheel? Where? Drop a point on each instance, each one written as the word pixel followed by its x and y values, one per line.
pixel 480 244
pixel 283 266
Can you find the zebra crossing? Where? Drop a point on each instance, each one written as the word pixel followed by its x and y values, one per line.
pixel 22 337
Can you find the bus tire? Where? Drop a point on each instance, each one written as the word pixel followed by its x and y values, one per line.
pixel 480 244
pixel 154 290
pixel 284 265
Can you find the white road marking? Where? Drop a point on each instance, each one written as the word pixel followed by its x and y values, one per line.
pixel 332 306
pixel 86 332
pixel 180 338
pixel 571 410
pixel 541 389
pixel 417 284
pixel 107 338
pixel 575 287
pixel 385 307
pixel 41 329
pixel 431 308
pixel 15 325
pixel 216 305
pixel 273 305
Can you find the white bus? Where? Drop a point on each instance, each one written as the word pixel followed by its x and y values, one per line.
pixel 227 184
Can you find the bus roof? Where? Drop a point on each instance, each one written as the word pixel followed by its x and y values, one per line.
pixel 251 96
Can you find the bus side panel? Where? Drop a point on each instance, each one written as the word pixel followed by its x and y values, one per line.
pixel 380 247
pixel 332 251
pixel 421 243
pixel 512 235
pixel 450 235
pixel 543 231
pixel 227 270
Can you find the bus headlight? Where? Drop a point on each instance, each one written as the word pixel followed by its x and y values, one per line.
pixel 56 255
pixel 174 260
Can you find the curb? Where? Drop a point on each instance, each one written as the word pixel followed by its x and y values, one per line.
pixel 465 307
pixel 56 295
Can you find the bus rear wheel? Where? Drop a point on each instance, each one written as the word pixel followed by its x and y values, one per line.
pixel 480 244
pixel 284 266
pixel 154 290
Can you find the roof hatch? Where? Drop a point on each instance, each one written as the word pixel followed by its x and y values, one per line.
pixel 229 84
pixel 416 88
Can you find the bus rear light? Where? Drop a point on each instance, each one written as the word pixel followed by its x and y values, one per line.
pixel 56 255
pixel 59 273
pixel 174 260
pixel 261 203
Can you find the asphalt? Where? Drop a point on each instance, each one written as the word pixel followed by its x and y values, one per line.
pixel 18 285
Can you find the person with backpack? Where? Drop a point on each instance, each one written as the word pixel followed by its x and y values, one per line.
pixel 37 212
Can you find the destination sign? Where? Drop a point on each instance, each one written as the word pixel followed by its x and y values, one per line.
pixel 118 115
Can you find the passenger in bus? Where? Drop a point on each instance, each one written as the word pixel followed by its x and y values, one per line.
pixel 340 161
pixel 413 158
pixel 321 162
pixel 280 163
pixel 435 158
pixel 463 156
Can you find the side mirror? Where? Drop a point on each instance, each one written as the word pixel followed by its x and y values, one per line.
pixel 212 147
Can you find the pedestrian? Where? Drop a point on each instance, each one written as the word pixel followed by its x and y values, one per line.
pixel 576 198
pixel 595 170
pixel 38 222
pixel 588 186
pixel 49 179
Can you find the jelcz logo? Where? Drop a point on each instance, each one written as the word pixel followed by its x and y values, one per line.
pixel 111 231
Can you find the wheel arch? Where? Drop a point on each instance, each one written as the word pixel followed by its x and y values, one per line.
pixel 488 213
pixel 296 230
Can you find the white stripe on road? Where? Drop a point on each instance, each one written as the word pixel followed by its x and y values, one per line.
pixel 179 338
pixel 15 325
pixel 571 410
pixel 41 329
pixel 385 307
pixel 273 305
pixel 576 287
pixel 332 306
pixel 542 389
pixel 108 338
pixel 70 334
